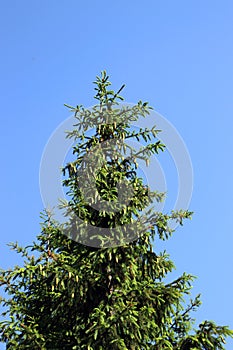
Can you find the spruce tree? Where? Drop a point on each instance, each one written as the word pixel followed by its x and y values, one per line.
pixel 96 281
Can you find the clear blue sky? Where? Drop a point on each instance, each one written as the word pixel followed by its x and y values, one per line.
pixel 177 55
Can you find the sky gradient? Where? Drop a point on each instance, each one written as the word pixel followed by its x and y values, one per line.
pixel 176 55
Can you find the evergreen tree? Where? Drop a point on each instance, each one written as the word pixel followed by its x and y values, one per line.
pixel 96 282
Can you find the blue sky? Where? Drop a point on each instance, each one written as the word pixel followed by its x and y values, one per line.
pixel 175 54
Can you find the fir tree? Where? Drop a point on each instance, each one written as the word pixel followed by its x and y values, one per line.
pixel 96 281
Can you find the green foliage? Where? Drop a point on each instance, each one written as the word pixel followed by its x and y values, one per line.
pixel 111 295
